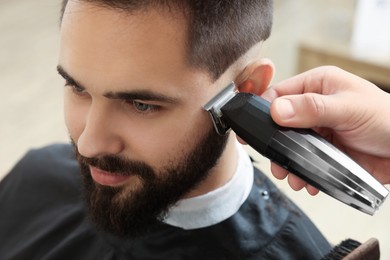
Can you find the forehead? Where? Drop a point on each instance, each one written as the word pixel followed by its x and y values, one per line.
pixel 113 42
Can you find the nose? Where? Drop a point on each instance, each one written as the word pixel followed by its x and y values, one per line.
pixel 99 136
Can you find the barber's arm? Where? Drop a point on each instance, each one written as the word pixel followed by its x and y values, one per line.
pixel 350 112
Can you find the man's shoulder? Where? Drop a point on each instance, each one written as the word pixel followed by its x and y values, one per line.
pixel 47 170
pixel 268 221
pixel 46 157
pixel 47 176
pixel 267 200
pixel 56 162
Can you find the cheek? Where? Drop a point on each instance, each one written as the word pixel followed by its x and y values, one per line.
pixel 174 137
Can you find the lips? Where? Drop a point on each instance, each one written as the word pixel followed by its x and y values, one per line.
pixel 107 179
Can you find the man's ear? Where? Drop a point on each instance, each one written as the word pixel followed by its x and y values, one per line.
pixel 256 77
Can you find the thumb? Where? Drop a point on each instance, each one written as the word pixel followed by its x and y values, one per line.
pixel 306 111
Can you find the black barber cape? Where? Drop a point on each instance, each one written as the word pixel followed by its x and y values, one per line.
pixel 43 216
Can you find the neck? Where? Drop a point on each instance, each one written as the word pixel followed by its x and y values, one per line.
pixel 221 173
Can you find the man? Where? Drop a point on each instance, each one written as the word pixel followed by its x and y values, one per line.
pixel 159 183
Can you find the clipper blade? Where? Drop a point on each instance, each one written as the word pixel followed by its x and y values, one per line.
pixel 215 104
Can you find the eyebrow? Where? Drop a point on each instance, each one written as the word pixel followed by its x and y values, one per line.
pixel 145 95
pixel 68 78
pixel 141 95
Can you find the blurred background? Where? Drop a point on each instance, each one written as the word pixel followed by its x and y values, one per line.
pixel 351 34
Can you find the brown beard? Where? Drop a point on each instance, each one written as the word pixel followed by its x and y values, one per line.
pixel 132 213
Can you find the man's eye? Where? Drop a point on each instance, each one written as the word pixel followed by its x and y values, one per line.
pixel 75 89
pixel 143 107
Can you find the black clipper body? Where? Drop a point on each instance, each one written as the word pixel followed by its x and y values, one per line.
pixel 300 151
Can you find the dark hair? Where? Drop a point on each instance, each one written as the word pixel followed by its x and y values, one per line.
pixel 219 31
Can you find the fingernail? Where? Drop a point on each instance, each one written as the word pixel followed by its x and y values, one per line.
pixel 284 108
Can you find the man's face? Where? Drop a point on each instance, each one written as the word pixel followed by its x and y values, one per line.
pixel 133 108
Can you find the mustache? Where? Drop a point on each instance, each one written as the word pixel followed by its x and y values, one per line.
pixel 116 165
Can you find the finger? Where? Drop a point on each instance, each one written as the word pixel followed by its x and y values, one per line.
pixel 278 172
pixel 295 182
pixel 311 190
pixel 310 110
pixel 270 94
pixel 319 80
pixel 320 97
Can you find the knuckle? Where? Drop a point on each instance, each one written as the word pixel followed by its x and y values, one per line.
pixel 316 105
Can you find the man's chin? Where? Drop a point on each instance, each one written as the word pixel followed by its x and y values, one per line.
pixel 114 210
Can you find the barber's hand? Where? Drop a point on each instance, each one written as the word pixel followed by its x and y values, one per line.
pixel 348 111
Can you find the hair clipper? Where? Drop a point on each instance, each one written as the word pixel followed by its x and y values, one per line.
pixel 300 151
